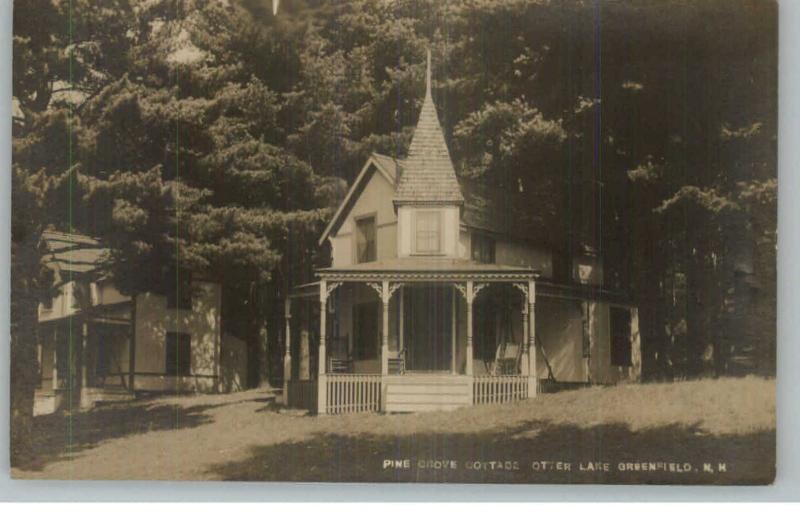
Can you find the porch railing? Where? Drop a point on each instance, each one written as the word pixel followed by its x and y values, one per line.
pixel 499 389
pixel 303 394
pixel 351 393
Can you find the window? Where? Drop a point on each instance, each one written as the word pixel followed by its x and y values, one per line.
pixel 482 248
pixel 365 240
pixel 179 290
pixel 179 354
pixel 429 233
pixel 620 337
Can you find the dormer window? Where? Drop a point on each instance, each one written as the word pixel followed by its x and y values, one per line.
pixel 366 248
pixel 428 232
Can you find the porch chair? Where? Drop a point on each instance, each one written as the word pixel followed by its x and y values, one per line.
pixel 339 361
pixel 339 366
pixel 506 360
pixel 397 366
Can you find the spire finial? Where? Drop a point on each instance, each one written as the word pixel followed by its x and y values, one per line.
pixel 428 75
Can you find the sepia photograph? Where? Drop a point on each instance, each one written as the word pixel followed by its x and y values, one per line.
pixel 394 241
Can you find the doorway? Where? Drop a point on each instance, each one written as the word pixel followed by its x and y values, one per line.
pixel 428 328
pixel 366 330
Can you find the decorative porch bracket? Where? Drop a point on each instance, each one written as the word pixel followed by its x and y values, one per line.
pixel 330 287
pixel 469 291
pixel 529 320
pixel 385 290
pixel 325 290
pixel 524 289
pixel 385 295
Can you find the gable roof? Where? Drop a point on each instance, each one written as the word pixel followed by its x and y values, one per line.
pixel 72 252
pixel 385 165
pixel 485 208
pixel 427 174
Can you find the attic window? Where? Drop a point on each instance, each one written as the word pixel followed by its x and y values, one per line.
pixel 365 239
pixel 428 232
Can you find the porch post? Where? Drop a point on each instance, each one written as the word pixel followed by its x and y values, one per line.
pixel 84 345
pixel 524 362
pixel 525 324
pixel 453 326
pixel 287 353
pixel 469 298
pixel 132 350
pixel 401 345
pixel 533 380
pixel 322 379
pixel 55 360
pixel 323 311
pixel 385 296
pixel 83 399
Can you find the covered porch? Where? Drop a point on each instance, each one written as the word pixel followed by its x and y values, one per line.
pixel 410 336
pixel 83 360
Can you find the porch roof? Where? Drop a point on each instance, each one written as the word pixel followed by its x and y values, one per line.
pixel 428 269
pixel 305 290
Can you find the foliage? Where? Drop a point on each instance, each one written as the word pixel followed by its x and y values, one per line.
pixel 215 135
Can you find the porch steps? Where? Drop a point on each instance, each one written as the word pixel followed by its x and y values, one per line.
pixel 426 392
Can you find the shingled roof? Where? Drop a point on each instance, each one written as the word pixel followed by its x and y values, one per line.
pixel 427 174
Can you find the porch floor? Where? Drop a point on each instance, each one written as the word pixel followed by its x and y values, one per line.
pixel 47 401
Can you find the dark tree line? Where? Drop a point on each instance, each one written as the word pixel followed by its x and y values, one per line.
pixel 215 135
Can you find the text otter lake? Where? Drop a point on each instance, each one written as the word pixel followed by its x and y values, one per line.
pixel 554 466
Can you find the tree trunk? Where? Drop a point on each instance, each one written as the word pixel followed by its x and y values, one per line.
pixel 24 364
pixel 263 368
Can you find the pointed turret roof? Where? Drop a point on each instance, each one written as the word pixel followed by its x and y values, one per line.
pixel 427 175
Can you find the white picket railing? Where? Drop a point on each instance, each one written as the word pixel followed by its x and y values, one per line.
pixel 351 393
pixel 303 394
pixel 499 389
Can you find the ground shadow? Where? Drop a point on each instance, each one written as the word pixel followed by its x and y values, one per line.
pixel 61 435
pixel 529 453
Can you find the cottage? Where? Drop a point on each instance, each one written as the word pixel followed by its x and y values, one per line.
pixel 98 345
pixel 427 306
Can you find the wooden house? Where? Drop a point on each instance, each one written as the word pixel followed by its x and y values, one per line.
pixel 427 306
pixel 98 345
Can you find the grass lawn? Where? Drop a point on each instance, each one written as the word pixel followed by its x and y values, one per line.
pixel 599 434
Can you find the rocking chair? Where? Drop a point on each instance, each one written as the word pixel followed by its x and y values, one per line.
pixel 339 360
pixel 507 359
pixel 397 366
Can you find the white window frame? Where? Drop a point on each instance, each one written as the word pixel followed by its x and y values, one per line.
pixel 439 219
pixel 356 220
